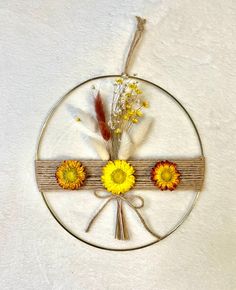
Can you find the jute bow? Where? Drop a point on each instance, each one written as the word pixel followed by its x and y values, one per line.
pixel 121 225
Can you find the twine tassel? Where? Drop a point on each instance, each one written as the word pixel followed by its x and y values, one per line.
pixel 121 226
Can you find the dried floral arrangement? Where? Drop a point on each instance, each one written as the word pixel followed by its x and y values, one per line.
pixel 126 111
pixel 119 139
pixel 115 134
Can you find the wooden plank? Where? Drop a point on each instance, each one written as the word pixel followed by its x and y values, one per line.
pixel 192 174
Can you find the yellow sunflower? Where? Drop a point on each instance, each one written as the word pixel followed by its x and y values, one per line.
pixel 118 176
pixel 70 174
pixel 165 175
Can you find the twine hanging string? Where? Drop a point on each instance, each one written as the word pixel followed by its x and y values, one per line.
pixel 137 36
pixel 121 229
pixel 121 232
pixel 136 39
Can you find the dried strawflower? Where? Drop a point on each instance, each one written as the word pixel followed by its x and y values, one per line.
pixel 165 175
pixel 118 176
pixel 70 174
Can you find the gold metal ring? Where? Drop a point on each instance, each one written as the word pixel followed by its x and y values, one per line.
pixel 37 157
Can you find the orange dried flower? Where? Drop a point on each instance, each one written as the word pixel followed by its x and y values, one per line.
pixel 165 175
pixel 70 174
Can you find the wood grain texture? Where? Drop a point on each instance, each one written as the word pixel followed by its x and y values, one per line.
pixel 192 174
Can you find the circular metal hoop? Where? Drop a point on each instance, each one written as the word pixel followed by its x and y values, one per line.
pixel 57 218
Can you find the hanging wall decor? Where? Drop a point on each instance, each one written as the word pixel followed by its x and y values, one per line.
pixel 112 151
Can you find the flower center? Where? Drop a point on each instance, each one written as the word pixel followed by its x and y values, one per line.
pixel 166 175
pixel 70 175
pixel 118 176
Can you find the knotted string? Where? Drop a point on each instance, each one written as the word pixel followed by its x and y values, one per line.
pixel 137 36
pixel 130 201
pixel 121 228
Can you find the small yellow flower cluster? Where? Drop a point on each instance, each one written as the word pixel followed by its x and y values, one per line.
pixel 119 81
pixel 127 104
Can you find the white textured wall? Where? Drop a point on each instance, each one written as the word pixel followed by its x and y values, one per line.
pixel 49 46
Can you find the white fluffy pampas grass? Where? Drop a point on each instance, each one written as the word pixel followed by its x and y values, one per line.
pixel 100 147
pixel 90 126
pixel 126 146
pixel 87 120
pixel 130 142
